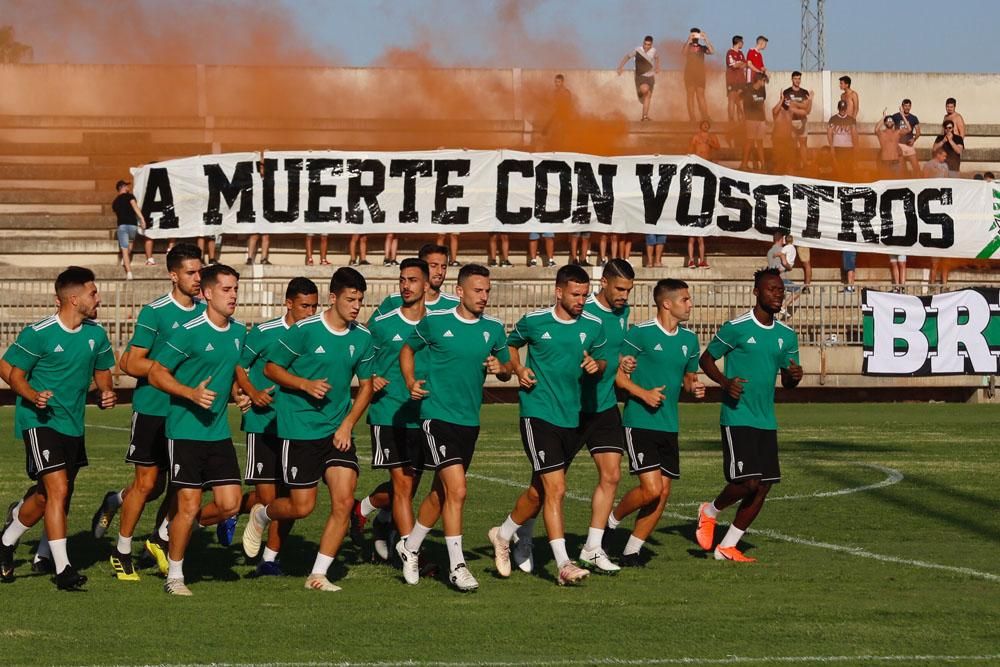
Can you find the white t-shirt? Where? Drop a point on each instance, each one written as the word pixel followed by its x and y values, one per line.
pixel 790 254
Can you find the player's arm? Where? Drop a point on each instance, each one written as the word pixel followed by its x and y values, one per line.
pixel 709 364
pixel 342 436
pixel 22 357
pixel 19 383
pixel 652 397
pixel 259 397
pixel 408 368
pixel 105 385
pixel 161 378
pixel 498 361
pixel 136 362
pixel 287 380
pixel 693 385
pixel 5 369
pixel 791 376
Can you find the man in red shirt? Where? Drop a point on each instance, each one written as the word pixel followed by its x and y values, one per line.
pixel 755 59
pixel 736 78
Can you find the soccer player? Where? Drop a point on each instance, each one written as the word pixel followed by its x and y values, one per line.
pixel 260 423
pixel 197 368
pixel 314 363
pixel 147 450
pixel 52 363
pixel 756 347
pixel 561 341
pixel 666 361
pixel 436 257
pixel 460 347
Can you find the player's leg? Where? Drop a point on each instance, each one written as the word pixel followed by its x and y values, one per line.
pixel 645 522
pixel 188 504
pixel 341 482
pixel 222 474
pixel 148 483
pixel 764 462
pixel 404 480
pixel 454 485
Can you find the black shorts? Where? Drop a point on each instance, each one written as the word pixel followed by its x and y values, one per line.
pixel 148 442
pixel 447 444
pixel 304 462
pixel 397 446
pixel 749 452
pixel 263 459
pixel 197 464
pixel 648 80
pixel 549 447
pixel 601 431
pixel 652 450
pixel 48 450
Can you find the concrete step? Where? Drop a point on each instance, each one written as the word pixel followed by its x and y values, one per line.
pixel 46 209
pixel 58 171
pixel 104 146
pixel 54 185
pixel 31 196
pixel 43 159
pixel 54 237
pixel 26 223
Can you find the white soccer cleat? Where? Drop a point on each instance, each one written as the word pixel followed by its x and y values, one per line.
pixel 522 554
pixel 597 560
pixel 318 582
pixel 462 579
pixel 254 530
pixel 177 587
pixel 411 563
pixel 501 551
pixel 570 573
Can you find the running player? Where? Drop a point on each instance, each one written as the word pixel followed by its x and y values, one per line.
pixel 52 363
pixel 147 450
pixel 197 368
pixel 260 423
pixel 560 341
pixel 462 346
pixel 314 363
pixel 436 257
pixel 666 356
pixel 756 347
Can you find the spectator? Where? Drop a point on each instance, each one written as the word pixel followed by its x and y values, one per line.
pixel 909 127
pixel 357 250
pixel 937 166
pixel 127 212
pixel 897 272
pixel 452 247
pixel 647 66
pixel 550 244
pixel 776 259
pixel 502 240
pixel 579 248
pixel 210 246
pixel 563 109
pixel 954 116
pixel 324 240
pixel 800 103
pixel 389 250
pixel 847 94
pixel 704 143
pixel 953 145
pixel 754 123
pixel 607 247
pixel 694 53
pixel 848 264
pixel 755 60
pixel 781 256
pixel 625 246
pixel 654 250
pixel 842 135
pixel 782 137
pixel 888 140
pixel 802 253
pixel 988 176
pixel 736 79
pixel 265 246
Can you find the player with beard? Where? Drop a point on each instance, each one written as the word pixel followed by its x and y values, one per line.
pixel 435 300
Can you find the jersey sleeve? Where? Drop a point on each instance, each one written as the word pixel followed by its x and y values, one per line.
pixel 598 343
pixel 252 348
pixel 365 366
pixel 694 352
pixel 499 347
pixel 382 309
pixel 724 341
pixel 421 335
pixel 287 348
pixel 105 355
pixel 176 350
pixel 26 350
pixel 633 341
pixel 521 334
pixel 792 352
pixel 145 329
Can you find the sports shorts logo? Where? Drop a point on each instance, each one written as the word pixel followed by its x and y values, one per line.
pixel 739 464
pixel 209 348
pixel 442 449
pixel 448 334
pixel 295 471
pixel 45 453
pixel 397 338
pixel 319 350
pixel 177 469
pixel 546 336
pixel 386 451
pixel 752 340
pixel 131 449
pixel 640 456
pixel 260 468
pixel 541 456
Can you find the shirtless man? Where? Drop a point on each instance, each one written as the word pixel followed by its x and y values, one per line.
pixel 888 140
pixel 847 94
pixel 954 116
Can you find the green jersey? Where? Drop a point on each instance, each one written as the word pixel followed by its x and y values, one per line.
pixel 555 352
pixel 662 359
pixel 755 353
pixel 599 392
pixel 444 301
pixel 196 351
pixel 456 349
pixel 312 350
pixel 157 320
pixel 62 361
pixel 253 360
pixel 393 405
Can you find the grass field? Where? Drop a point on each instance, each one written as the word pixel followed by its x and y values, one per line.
pixel 880 546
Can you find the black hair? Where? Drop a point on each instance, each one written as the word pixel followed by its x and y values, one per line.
pixel 415 263
pixel 647 38
pixel 761 37
pixel 951 100
pixel 906 100
pixel 210 274
pixel 347 278
pixel 737 39
pixel 665 286
pixel 988 174
pixel 796 73
pixel 846 79
pixel 978 177
pixel 300 285
pixel 73 276
pixel 180 253
pixel 760 274
pixel 432 249
pixel 470 270
pixel 560 77
pixel 571 273
pixel 619 268
pixel 695 29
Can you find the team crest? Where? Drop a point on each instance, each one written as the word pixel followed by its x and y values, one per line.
pixel 131 449
pixel 350 350
pixel 640 456
pixel 583 337
pixel 386 450
pixel 684 349
pixel 91 341
pixel 739 464
pixel 541 456
pixel 260 468
pixel 177 469
pixel 621 323
pixel 442 449
pixel 295 471
pixel 486 336
pixel 45 453
pixel 781 343
pixel 236 341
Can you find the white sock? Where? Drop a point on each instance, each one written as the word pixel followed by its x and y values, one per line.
pixel 124 544
pixel 366 506
pixel 269 555
pixel 43 550
pixel 175 569
pixel 416 537
pixel 612 521
pixel 527 530
pixel 559 551
pixel 710 510
pixel 633 545
pixel 508 528
pixel 117 499
pixel 163 533
pixel 15 530
pixel 59 556
pixel 322 564
pixel 732 537
pixel 455 554
pixel 594 537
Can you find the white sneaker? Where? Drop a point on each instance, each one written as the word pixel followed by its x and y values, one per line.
pixel 597 560
pixel 522 554
pixel 571 574
pixel 128 275
pixel 381 548
pixel 462 579
pixel 150 262
pixel 411 563
pixel 501 551
pixel 177 587
pixel 254 530
pixel 317 582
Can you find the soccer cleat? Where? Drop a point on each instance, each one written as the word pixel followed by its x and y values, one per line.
pixel 158 552
pixel 597 561
pixel 522 555
pixel 632 560
pixel 319 582
pixel 254 530
pixel 7 563
pixel 380 539
pixel 69 579
pixel 428 568
pixel 733 554
pixel 462 579
pixel 358 523
pixel 122 567
pixel 569 573
pixel 411 563
pixel 43 565
pixel 104 515
pixel 226 530
pixel 501 552
pixel 706 529
pixel 268 568
pixel 176 587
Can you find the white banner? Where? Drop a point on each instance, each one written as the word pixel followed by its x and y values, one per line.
pixel 428 192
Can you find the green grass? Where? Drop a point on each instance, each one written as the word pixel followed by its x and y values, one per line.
pixel 801 599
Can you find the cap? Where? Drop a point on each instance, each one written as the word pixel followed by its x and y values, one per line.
pixel 121 183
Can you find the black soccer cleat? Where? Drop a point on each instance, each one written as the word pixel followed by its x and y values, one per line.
pixel 43 565
pixel 632 560
pixel 69 579
pixel 7 563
